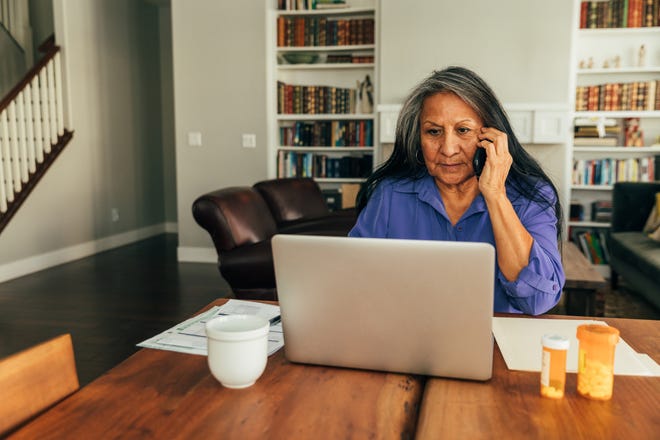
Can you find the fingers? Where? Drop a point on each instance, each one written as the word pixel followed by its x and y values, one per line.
pixel 493 140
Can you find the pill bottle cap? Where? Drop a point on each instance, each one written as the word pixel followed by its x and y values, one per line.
pixel 555 342
pixel 598 333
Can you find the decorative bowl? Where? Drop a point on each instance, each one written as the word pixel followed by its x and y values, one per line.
pixel 300 57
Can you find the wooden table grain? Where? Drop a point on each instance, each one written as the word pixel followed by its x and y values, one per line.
pixel 163 394
pixel 510 406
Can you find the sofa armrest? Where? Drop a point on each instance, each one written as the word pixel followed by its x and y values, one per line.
pixel 234 217
pixel 631 204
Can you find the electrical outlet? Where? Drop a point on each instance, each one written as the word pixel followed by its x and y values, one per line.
pixel 114 214
pixel 249 140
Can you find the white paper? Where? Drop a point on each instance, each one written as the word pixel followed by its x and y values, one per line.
pixel 519 340
pixel 190 335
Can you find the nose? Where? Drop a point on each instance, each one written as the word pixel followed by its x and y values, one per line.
pixel 450 144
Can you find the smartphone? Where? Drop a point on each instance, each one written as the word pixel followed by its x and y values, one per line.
pixel 479 160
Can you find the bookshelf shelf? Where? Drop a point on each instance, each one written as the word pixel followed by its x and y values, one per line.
pixel 618 114
pixel 632 91
pixel 324 66
pixel 593 187
pixel 327 12
pixel 613 71
pixel 323 116
pixel 337 49
pixel 589 224
pixel 325 149
pixel 600 32
pixel 628 151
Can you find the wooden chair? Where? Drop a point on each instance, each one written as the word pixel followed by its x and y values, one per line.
pixel 34 379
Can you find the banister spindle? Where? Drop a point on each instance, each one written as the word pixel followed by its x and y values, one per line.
pixel 29 128
pixel 51 103
pixel 38 136
pixel 58 95
pixel 6 156
pixel 45 117
pixel 4 162
pixel 13 140
pixel 22 144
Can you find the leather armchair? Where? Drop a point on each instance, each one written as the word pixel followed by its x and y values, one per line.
pixel 242 220
pixel 240 225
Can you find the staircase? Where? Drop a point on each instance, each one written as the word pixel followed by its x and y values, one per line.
pixel 32 131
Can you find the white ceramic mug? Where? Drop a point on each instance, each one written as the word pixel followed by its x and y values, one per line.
pixel 237 349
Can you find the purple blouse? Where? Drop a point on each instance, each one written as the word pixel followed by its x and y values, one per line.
pixel 413 209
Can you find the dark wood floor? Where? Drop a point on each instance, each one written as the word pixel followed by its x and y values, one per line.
pixel 111 301
pixel 108 302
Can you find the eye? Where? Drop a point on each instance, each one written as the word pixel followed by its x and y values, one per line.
pixel 464 130
pixel 433 131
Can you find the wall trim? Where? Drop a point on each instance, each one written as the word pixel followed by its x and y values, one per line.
pixel 36 263
pixel 189 254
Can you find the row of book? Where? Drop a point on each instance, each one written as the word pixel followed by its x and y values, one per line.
pixel 353 133
pixel 323 31
pixel 308 5
pixel 635 96
pixel 610 134
pixel 349 58
pixel 601 211
pixel 293 164
pixel 593 243
pixel 619 14
pixel 298 99
pixel 609 171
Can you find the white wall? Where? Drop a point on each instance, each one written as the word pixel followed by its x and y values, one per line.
pixel 219 91
pixel 115 158
pixel 521 47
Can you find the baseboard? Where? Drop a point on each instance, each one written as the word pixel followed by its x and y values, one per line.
pixel 187 254
pixel 36 263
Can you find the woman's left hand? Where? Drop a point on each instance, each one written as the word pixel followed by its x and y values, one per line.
pixel 498 163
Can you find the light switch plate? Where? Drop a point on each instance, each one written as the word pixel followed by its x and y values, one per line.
pixel 194 139
pixel 249 140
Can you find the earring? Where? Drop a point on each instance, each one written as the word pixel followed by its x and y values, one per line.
pixel 419 157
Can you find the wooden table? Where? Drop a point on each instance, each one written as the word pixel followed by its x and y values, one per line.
pixel 166 395
pixel 585 287
pixel 509 405
pixel 162 394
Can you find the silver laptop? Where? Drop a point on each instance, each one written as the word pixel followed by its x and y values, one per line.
pixel 408 306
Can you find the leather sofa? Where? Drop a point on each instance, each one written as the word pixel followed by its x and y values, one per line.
pixel 633 254
pixel 242 220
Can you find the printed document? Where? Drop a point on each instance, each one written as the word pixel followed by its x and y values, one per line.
pixel 190 335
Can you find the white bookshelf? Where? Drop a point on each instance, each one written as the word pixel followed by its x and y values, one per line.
pixel 601 48
pixel 320 72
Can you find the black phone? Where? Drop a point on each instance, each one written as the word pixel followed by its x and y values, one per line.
pixel 479 160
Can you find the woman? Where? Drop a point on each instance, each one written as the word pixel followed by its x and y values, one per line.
pixel 428 189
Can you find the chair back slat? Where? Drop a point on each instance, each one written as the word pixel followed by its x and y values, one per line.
pixel 35 379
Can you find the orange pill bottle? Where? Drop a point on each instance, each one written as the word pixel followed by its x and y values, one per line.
pixel 553 366
pixel 595 376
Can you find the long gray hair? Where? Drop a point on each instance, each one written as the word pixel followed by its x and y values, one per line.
pixel 404 162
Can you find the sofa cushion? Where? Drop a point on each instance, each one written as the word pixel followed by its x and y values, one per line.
pixel 637 250
pixel 292 198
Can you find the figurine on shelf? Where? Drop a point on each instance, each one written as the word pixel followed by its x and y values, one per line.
pixel 606 64
pixel 365 92
pixel 634 136
pixel 641 56
pixel 617 62
pixel 590 63
pixel 582 64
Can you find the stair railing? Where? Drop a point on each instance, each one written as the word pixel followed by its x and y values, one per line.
pixel 32 131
